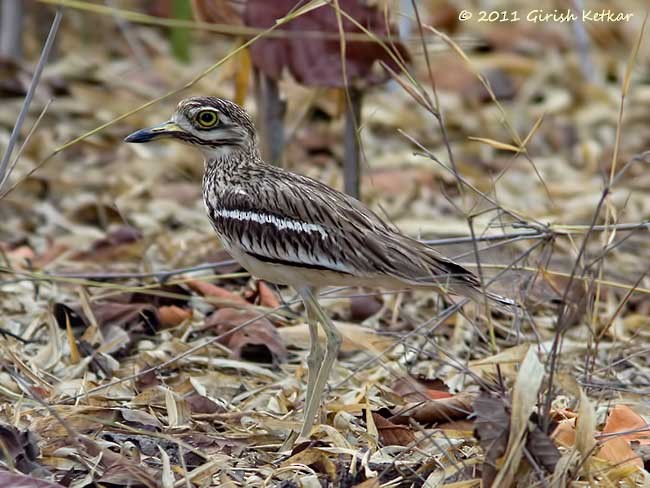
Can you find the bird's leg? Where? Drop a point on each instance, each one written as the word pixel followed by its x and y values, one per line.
pixel 333 338
pixel 314 361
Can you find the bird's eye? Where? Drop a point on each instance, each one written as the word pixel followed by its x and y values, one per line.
pixel 207 118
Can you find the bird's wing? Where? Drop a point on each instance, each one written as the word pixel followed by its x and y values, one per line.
pixel 294 220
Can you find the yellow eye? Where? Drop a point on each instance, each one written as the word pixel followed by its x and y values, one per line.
pixel 207 118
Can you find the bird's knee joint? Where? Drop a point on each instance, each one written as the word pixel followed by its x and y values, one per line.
pixel 315 357
pixel 335 339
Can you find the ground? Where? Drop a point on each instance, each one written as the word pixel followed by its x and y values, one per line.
pixel 137 353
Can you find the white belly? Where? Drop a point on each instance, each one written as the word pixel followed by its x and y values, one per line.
pixel 294 276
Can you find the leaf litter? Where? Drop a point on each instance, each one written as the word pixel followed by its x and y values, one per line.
pixel 116 372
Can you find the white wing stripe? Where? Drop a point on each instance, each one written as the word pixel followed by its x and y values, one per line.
pixel 278 222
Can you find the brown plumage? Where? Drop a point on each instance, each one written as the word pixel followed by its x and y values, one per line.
pixel 294 230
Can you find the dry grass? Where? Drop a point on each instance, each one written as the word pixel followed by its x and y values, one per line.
pixel 136 353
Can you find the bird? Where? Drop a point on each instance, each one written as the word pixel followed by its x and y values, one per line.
pixel 289 229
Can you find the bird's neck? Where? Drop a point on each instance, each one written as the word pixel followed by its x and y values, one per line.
pixel 225 167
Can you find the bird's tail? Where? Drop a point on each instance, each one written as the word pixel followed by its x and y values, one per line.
pixel 477 295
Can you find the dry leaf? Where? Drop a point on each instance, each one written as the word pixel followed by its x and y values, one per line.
pixel 355 337
pixel 267 297
pixel 362 307
pixel 317 459
pixel 19 448
pixel 420 390
pixel 316 61
pixel 391 434
pixel 524 401
pixel 442 410
pixel 565 433
pixel 492 429
pixel 209 290
pixel 632 426
pixel 171 315
pixel 541 448
pixel 258 340
pixel 618 452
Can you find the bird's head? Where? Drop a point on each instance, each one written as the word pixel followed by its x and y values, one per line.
pixel 219 128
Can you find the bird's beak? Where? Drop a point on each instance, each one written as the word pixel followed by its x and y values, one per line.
pixel 167 129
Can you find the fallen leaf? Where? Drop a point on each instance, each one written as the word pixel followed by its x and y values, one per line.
pixel 618 452
pixel 391 434
pixel 455 407
pixel 267 298
pixel 21 255
pixel 419 390
pixel 172 315
pixel 20 449
pixel 565 433
pixel 258 340
pixel 369 483
pixel 492 428
pixel 355 337
pixel 217 11
pixel 362 307
pixel 209 290
pixel 523 403
pixel 121 242
pixel 541 448
pixel 17 480
pixel 316 61
pixel 316 458
pixel 201 404
pixel 632 426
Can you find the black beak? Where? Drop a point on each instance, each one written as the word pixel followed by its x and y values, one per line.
pixel 168 129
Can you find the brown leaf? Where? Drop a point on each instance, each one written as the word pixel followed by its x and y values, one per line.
pixel 391 434
pixel 140 419
pixel 437 411
pixel 257 341
pixel 316 458
pixel 457 425
pixel 267 298
pixel 419 389
pixel 171 315
pixel 17 480
pixel 316 61
pixel 619 452
pixel 200 404
pixel 132 317
pixel 21 448
pixel 541 448
pixel 20 255
pixel 96 214
pixel 218 11
pixel 49 255
pixel 362 307
pixel 369 483
pixel 121 241
pixel 633 427
pixel 445 17
pixel 209 290
pixel 492 428
pixel 565 433
pixel 548 290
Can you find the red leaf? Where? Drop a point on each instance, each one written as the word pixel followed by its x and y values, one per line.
pixel 391 434
pixel 258 340
pixel 209 290
pixel 316 61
